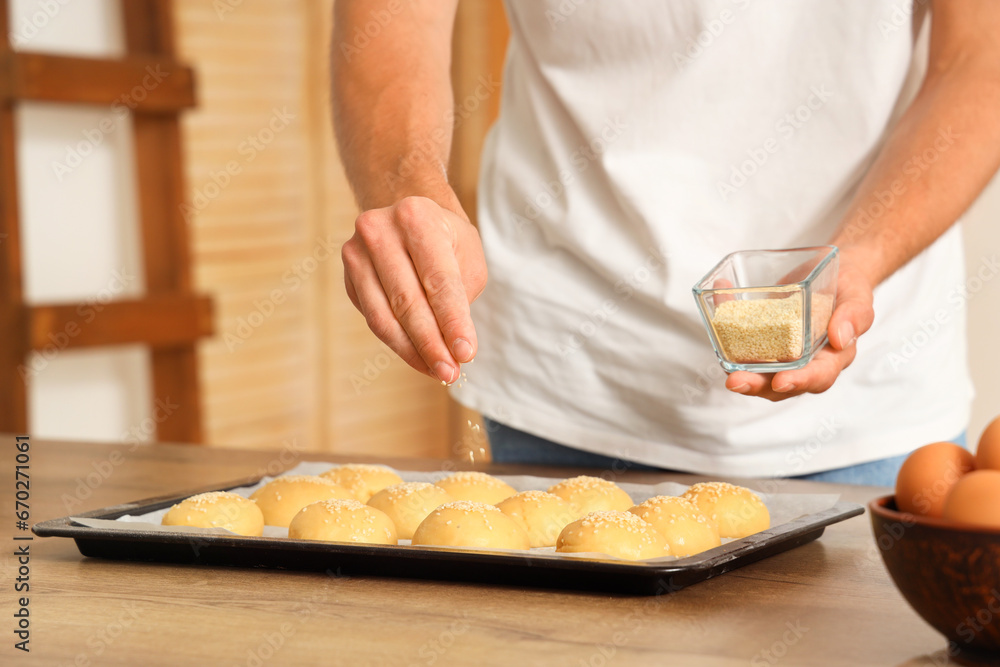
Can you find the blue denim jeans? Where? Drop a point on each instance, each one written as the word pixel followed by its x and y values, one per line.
pixel 509 445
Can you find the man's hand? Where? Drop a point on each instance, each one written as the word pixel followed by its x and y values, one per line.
pixel 412 269
pixel 852 316
pixel 960 96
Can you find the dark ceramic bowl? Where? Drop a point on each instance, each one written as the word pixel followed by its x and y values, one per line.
pixel 949 574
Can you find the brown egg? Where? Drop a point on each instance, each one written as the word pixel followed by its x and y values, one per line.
pixel 975 500
pixel 988 452
pixel 927 476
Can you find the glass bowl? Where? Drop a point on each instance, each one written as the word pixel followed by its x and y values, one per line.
pixel 768 310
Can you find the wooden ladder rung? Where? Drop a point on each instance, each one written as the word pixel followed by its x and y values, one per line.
pixel 159 320
pixel 140 83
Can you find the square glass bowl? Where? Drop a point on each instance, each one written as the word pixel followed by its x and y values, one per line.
pixel 768 310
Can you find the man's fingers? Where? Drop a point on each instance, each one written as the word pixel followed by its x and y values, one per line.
pixel 446 296
pixel 352 293
pixel 814 378
pixel 441 281
pixel 853 314
pixel 818 375
pixel 369 297
pixel 722 283
pixel 413 269
pixel 411 309
pixel 430 248
pixel 753 384
pixel 852 317
pixel 403 291
pixel 745 382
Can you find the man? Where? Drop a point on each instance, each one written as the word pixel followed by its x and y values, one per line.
pixel 637 144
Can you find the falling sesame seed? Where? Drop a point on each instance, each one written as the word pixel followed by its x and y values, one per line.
pixel 210 498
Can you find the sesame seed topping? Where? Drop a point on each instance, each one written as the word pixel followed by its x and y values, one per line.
pixel 468 506
pixel 583 482
pixel 337 505
pixel 536 496
pixel 397 491
pixel 204 500
pixel 611 518
pixel 712 491
pixel 658 503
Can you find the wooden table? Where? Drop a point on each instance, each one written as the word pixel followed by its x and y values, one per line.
pixel 829 602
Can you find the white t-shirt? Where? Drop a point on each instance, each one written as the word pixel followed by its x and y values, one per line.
pixel 638 143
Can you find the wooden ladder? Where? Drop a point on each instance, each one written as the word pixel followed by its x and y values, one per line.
pixel 170 318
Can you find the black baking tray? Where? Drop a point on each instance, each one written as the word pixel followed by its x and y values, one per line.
pixel 515 569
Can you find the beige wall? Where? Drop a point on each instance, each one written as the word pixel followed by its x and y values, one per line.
pixel 982 245
pixel 79 394
pixel 292 360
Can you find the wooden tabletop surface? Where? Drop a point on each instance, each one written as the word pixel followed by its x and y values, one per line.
pixel 829 602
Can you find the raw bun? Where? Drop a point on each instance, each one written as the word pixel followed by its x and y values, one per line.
pixel 342 521
pixel 283 497
pixel 687 530
pixel 928 474
pixel 988 451
pixel 477 487
pixel 736 511
pixel 468 524
pixel 218 509
pixel 362 479
pixel 408 504
pixel 591 494
pixel 619 534
pixel 541 515
pixel 975 500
